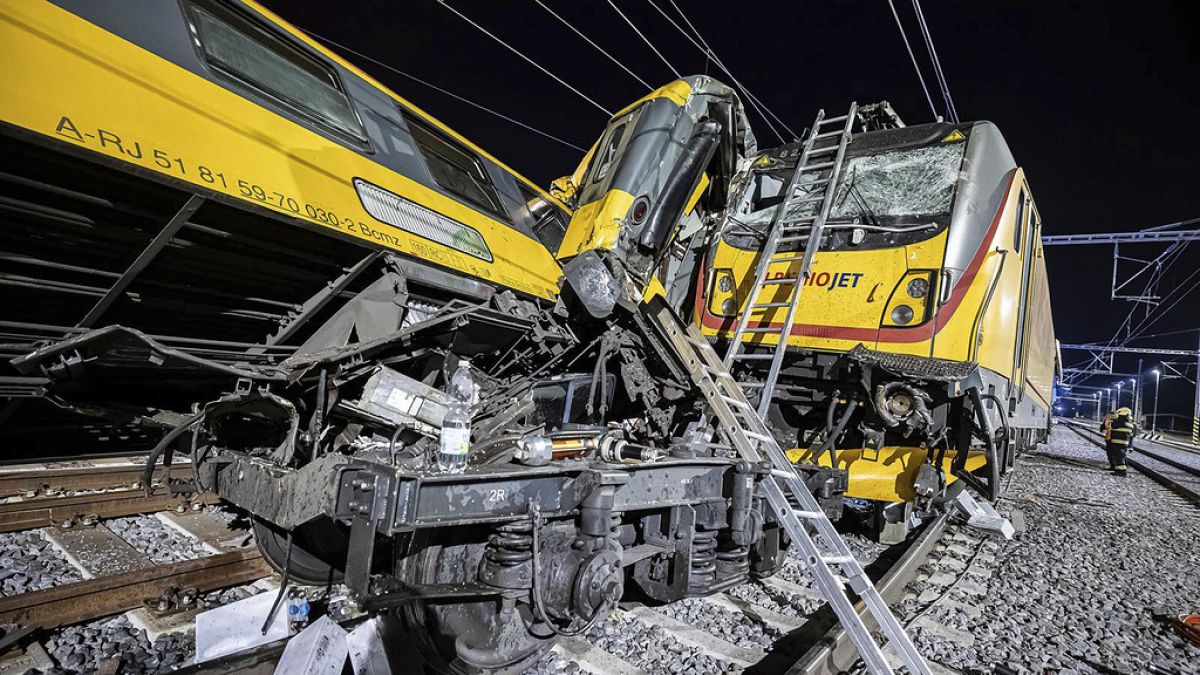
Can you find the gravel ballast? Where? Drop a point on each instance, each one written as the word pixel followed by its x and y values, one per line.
pixel 29 562
pixel 1082 588
pixel 160 543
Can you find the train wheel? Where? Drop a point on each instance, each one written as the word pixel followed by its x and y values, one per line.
pixel 466 637
pixel 313 545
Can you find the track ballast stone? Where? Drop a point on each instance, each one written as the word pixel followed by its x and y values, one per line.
pixel 160 543
pixel 29 562
pixel 1079 590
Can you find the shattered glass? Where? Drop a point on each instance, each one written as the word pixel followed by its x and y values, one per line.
pixel 897 184
pixel 900 183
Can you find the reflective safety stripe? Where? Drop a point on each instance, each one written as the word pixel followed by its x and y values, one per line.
pixel 1120 441
pixel 1128 430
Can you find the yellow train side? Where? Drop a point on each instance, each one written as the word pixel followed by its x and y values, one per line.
pixel 71 82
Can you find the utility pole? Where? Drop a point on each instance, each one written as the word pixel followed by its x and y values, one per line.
pixel 1137 395
pixel 1196 408
pixel 1154 418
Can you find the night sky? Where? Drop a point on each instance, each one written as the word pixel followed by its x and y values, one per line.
pixel 1097 100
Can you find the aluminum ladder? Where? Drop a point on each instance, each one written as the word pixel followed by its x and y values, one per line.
pixel 817 169
pixel 823 552
pixel 741 424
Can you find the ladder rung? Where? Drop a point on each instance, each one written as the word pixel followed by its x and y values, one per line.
pixel 828 134
pixel 832 120
pixel 768 305
pixel 778 280
pixel 808 515
pixel 786 474
pixel 751 385
pixel 753 357
pixel 817 167
pixel 759 437
pixel 783 240
pixel 761 329
pixel 836 559
pixel 828 148
pixel 808 199
pixel 790 258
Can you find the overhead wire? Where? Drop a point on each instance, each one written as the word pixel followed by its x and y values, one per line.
pixel 587 39
pixel 435 87
pixel 913 57
pixel 521 54
pixel 711 53
pixel 951 111
pixel 753 101
pixel 645 39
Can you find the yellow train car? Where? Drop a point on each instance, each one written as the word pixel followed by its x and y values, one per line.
pixel 927 307
pixel 208 174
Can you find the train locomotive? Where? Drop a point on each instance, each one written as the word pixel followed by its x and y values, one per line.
pixel 924 350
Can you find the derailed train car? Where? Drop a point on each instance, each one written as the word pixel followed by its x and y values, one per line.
pixel 924 350
pixel 582 476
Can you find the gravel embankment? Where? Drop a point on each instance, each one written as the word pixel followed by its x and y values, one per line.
pixel 1082 588
pixel 29 562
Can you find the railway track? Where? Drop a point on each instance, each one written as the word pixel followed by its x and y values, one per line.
pixel 85 492
pixel 777 624
pixel 1174 468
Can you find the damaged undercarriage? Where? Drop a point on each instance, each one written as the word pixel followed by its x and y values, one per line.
pixel 583 450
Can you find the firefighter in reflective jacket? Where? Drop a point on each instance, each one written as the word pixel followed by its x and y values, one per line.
pixel 1118 431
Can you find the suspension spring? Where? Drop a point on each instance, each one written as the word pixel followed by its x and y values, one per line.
pixel 704 561
pixel 733 560
pixel 511 544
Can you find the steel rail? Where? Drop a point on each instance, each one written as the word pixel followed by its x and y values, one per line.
pixel 1157 476
pixel 834 653
pixel 50 479
pixel 104 596
pixel 28 514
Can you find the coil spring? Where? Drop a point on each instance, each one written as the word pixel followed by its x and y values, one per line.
pixel 734 559
pixel 704 558
pixel 511 544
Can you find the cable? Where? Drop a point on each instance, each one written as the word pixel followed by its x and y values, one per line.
pixel 644 38
pixel 612 58
pixel 951 111
pixel 516 51
pixel 756 103
pixel 451 94
pixel 911 55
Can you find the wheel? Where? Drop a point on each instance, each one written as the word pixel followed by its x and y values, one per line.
pixel 465 637
pixel 313 545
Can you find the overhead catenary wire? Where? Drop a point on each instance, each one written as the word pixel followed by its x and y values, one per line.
pixel 521 54
pixel 612 58
pixel 951 110
pixel 721 64
pixel 451 94
pixel 752 100
pixel 645 39
pixel 708 51
pixel 913 57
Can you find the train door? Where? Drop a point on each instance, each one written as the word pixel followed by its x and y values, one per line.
pixel 1025 246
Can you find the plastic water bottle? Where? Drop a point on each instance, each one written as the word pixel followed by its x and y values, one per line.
pixel 454 443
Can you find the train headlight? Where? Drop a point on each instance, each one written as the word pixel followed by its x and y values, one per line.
pixel 723 299
pixel 908 305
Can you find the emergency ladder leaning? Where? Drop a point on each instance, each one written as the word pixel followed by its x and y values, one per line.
pixel 823 552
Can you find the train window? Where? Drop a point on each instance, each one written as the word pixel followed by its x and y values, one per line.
pixel 243 49
pixel 454 168
pixel 536 215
